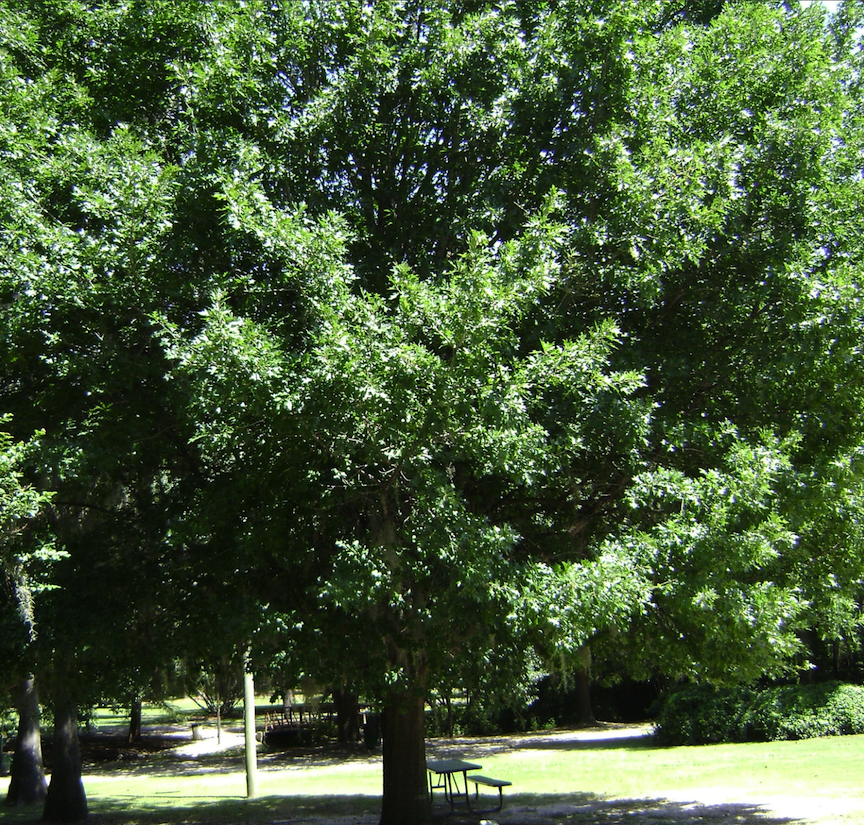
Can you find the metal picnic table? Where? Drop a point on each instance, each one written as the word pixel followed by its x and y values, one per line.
pixel 447 771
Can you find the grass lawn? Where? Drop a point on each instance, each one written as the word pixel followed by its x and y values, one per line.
pixel 556 779
pixel 833 766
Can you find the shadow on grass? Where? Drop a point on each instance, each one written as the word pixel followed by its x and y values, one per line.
pixel 587 809
pixel 267 810
pixel 175 766
pixel 210 810
pixel 520 809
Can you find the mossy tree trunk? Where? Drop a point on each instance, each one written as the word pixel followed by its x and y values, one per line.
pixel 27 785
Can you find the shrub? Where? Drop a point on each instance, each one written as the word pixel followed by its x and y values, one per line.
pixel 805 712
pixel 702 714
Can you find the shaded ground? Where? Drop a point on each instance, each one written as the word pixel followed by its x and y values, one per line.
pixel 100 749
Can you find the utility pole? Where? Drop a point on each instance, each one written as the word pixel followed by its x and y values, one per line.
pixel 251 742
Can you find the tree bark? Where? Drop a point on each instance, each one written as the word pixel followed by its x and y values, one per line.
pixel 406 796
pixel 582 679
pixel 27 785
pixel 347 715
pixel 66 800
pixel 135 720
pixel 582 685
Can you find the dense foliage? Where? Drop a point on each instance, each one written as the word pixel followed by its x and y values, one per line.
pixel 704 714
pixel 431 344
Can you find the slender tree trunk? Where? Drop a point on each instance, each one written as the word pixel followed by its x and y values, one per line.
pixel 27 785
pixel 251 743
pixel 66 800
pixel 406 796
pixel 135 720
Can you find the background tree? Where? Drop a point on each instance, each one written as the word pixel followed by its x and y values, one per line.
pixel 725 232
pixel 26 554
pixel 86 218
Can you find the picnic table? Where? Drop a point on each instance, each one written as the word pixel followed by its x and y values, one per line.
pixel 447 777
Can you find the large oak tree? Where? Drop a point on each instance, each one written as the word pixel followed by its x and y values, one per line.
pixel 443 338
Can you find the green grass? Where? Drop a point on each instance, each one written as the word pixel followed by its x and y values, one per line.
pixel 211 789
pixel 832 766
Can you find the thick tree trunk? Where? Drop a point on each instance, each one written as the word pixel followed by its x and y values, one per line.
pixel 406 796
pixel 347 715
pixel 27 785
pixel 135 720
pixel 66 800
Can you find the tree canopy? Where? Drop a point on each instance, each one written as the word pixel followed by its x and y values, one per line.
pixel 431 343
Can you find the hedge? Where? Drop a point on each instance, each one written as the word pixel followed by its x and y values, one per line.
pixel 703 714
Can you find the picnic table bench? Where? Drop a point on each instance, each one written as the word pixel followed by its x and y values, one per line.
pixel 479 780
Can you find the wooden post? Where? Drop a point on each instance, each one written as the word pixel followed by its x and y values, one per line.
pixel 249 726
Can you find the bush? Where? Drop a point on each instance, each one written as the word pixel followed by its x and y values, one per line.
pixel 805 712
pixel 703 715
